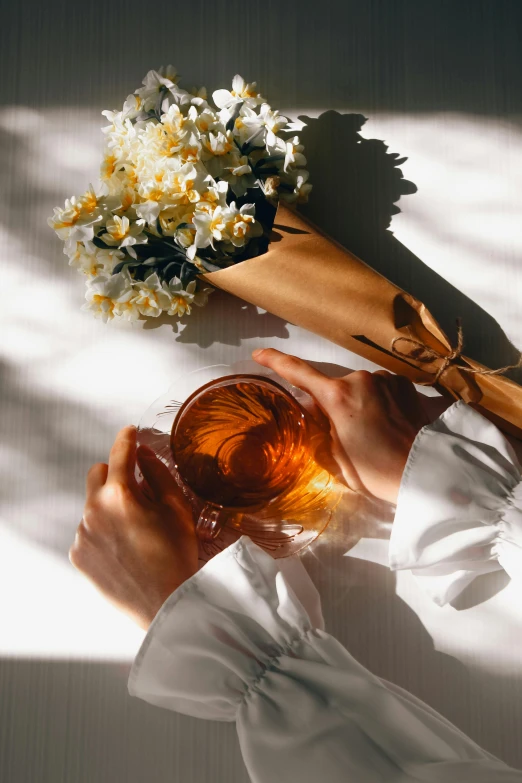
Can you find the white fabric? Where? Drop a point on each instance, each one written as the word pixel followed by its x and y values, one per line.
pixel 235 643
pixel 459 510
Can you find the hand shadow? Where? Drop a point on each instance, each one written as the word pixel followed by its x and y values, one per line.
pixel 356 183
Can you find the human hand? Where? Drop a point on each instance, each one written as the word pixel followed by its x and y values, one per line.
pixel 373 419
pixel 137 544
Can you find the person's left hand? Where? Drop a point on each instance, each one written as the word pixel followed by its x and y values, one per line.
pixel 136 544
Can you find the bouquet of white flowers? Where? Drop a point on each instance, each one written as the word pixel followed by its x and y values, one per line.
pixel 188 191
pixel 185 189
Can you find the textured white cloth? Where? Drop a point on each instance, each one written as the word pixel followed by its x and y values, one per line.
pixel 234 642
pixel 459 510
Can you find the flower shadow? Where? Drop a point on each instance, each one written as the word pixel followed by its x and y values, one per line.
pixel 358 215
pixel 226 320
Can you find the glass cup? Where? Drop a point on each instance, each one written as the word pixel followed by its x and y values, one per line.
pixel 241 445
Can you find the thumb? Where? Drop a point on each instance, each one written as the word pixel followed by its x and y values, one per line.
pixel 157 475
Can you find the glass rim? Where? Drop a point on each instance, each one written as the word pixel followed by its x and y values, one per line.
pixel 222 381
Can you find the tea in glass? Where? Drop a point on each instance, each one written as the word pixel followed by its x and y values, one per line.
pixel 242 444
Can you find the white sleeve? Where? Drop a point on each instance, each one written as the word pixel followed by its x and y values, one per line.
pixel 234 643
pixel 459 509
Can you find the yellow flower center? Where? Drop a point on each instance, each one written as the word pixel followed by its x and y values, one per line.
pixel 73 217
pixel 117 230
pixel 109 166
pixel 127 201
pixel 155 194
pixel 99 300
pixel 89 202
pixel 216 224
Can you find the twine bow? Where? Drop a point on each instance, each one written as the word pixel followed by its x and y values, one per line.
pixel 425 355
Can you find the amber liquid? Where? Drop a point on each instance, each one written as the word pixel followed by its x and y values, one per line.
pixel 245 446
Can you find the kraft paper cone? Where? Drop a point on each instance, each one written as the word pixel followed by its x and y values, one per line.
pixel 310 280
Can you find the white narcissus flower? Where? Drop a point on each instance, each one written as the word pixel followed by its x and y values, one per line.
pixel 105 292
pixel 112 172
pixel 181 299
pixel 122 233
pixel 77 219
pixel 199 93
pixel 230 225
pixel 171 217
pixel 149 210
pixel 216 193
pixel 208 223
pixel 124 203
pixel 132 107
pixel 240 177
pixel 108 258
pixel 151 297
pixel 154 83
pixel 242 225
pixel 240 92
pixel 205 120
pixel 294 157
pixel 82 258
pixel 298 178
pixel 121 136
pixel 259 129
pixel 218 152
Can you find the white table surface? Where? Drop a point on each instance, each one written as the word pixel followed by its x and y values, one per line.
pixel 439 86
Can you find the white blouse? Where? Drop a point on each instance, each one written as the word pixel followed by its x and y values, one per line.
pixel 459 510
pixel 243 640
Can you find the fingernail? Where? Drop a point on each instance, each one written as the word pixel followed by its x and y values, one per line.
pixel 257 352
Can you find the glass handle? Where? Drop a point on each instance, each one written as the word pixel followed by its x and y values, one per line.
pixel 210 522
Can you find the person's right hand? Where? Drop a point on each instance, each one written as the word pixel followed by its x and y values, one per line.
pixel 373 420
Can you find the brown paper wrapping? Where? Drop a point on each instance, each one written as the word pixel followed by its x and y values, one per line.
pixel 310 280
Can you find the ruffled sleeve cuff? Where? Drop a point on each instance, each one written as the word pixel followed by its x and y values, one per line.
pixel 459 509
pixel 217 634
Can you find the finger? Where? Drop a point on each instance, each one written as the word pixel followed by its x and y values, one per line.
pixel 81 543
pixel 294 370
pixel 96 478
pixel 122 457
pixel 160 480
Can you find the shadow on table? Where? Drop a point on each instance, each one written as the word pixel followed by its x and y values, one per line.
pixel 382 632
pixel 226 320
pixel 356 183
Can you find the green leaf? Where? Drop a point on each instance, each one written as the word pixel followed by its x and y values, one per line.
pixel 266 172
pixel 188 273
pixel 209 266
pixel 234 116
pixel 128 263
pixel 247 148
pixel 269 159
pixel 170 271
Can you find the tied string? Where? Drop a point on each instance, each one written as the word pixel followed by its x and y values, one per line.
pixel 425 355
